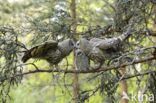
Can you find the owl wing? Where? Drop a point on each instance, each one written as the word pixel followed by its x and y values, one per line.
pixel 107 43
pixel 39 50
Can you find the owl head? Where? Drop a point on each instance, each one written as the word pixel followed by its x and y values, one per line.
pixel 83 44
pixel 67 46
pixel 79 52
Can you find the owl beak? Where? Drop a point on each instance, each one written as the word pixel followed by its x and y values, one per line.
pixel 75 47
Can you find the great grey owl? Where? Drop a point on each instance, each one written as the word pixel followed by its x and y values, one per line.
pixel 51 51
pixel 82 61
pixel 98 50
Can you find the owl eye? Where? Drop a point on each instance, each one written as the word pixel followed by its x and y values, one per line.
pixel 71 43
pixel 79 53
pixel 77 44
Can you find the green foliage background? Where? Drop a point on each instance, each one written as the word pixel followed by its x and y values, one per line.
pixel 39 16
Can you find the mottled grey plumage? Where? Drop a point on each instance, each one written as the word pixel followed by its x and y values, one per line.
pixel 51 51
pixel 98 49
pixel 82 61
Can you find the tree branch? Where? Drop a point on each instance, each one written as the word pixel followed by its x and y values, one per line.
pixel 136 75
pixel 89 71
pixel 110 30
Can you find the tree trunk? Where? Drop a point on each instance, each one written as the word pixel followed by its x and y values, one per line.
pixel 154 25
pixel 73 15
pixel 124 87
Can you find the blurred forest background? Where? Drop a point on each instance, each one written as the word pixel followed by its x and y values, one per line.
pixel 27 23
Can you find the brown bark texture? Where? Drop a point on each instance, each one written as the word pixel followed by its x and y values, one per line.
pixel 76 84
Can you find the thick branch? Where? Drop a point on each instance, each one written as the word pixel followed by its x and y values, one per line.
pixel 96 70
pixel 90 71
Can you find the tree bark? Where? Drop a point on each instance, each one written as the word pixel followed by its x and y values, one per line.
pixel 124 87
pixel 154 25
pixel 76 84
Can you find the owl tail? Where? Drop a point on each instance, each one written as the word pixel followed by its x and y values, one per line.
pixel 26 57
